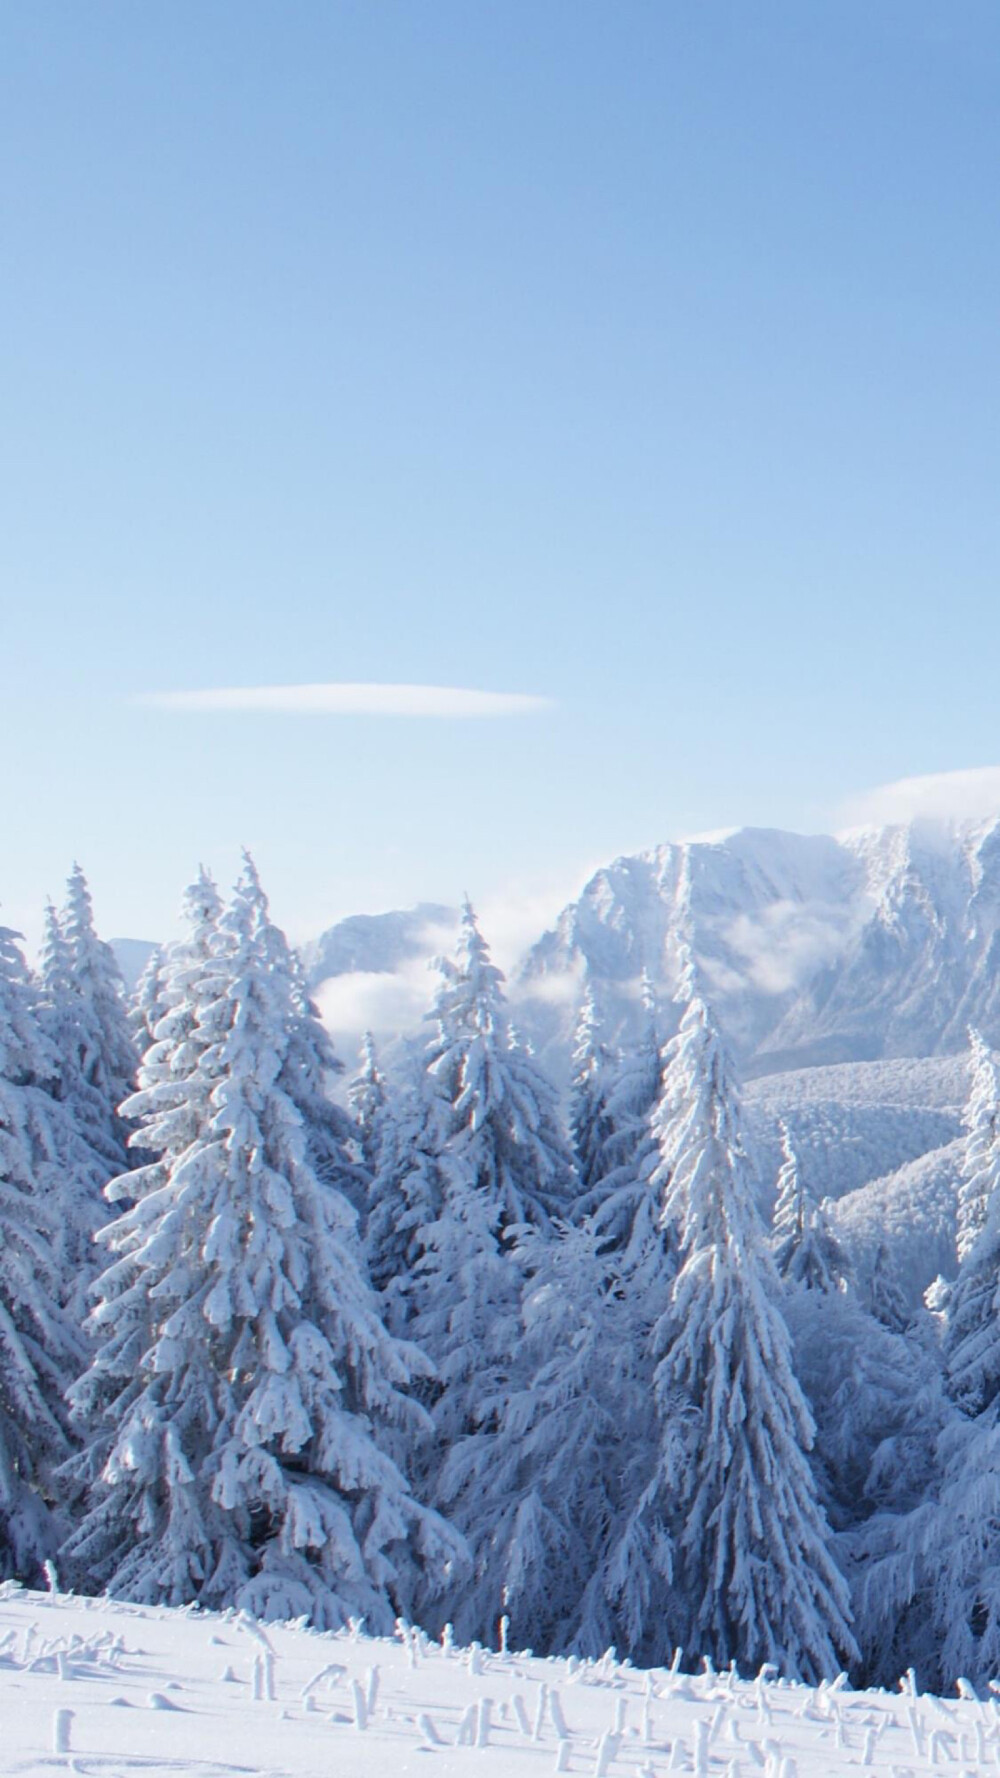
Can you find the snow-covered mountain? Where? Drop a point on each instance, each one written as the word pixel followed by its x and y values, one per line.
pixel 131 956
pixel 814 949
pixel 378 944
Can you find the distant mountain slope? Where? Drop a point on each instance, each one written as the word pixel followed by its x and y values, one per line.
pixel 378 944
pixel 856 1121
pixel 816 950
pixel 912 1210
pixel 938 1083
pixel 131 956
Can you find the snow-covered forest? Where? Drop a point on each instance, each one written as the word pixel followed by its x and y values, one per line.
pixel 455 1348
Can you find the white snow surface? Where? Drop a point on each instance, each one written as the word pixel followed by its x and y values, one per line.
pixel 914 1211
pixel 101 1688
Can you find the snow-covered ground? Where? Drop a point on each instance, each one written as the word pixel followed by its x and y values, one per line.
pixel 99 1688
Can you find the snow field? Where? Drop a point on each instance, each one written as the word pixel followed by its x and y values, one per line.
pixel 104 1688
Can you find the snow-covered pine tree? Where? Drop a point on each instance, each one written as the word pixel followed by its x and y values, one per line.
pixel 368 1097
pixel 311 1063
pixel 87 1158
pixel 147 1002
pixel 406 1192
pixel 593 1063
pixel 504 1132
pixel 552 1472
pixel 972 1333
pixel 928 1581
pixel 40 1351
pixel 753 1558
pixel 980 1167
pixel 88 1023
pixel 806 1251
pixel 624 1205
pixel 543 1483
pixel 498 1162
pixel 250 1457
pixel 882 1290
pixel 491 1121
pixel 170 1113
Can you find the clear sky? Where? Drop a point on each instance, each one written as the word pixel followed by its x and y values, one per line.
pixel 642 357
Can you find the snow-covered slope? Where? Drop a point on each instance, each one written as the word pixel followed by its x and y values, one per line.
pixel 856 1121
pixel 882 942
pixel 101 1688
pixel 913 1212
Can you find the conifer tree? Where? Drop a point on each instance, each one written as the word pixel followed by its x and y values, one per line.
pixel 551 1487
pixel 88 1023
pixel 406 1194
pixel 368 1097
pixel 972 1338
pixel 39 1349
pixel 753 1554
pixel 490 1120
pixel 552 1471
pixel 624 1206
pixel 496 1163
pixel 593 1064
pixel 147 1002
pixel 251 1425
pixel 980 1168
pixel 806 1251
pixel 170 1112
pixel 311 1063
pixel 503 1130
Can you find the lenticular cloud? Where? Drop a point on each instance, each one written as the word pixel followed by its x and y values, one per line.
pixel 348 700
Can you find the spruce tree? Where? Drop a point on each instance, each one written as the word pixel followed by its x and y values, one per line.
pixel 753 1545
pixel 251 1454
pixel 593 1065
pixel 980 1168
pixel 89 1024
pixel 972 1337
pixel 496 1164
pixel 147 1002
pixel 550 1486
pixel 368 1097
pixel 489 1120
pixel 406 1193
pixel 40 1351
pixel 624 1206
pixel 311 1064
pixel 552 1471
pixel 806 1251
pixel 503 1134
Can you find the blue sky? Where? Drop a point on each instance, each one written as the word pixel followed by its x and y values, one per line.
pixel 642 358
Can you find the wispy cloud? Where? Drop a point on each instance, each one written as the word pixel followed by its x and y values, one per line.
pixel 346 700
pixel 972 795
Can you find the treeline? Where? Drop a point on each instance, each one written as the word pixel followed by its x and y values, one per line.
pixel 441 1356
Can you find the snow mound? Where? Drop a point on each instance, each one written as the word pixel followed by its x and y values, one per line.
pixel 284 1700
